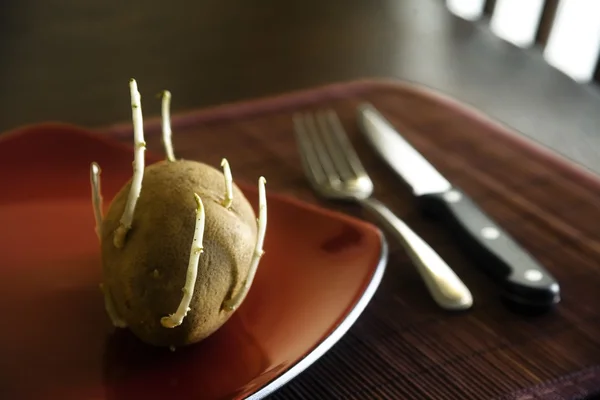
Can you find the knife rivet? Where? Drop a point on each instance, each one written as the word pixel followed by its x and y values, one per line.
pixel 452 196
pixel 533 275
pixel 490 233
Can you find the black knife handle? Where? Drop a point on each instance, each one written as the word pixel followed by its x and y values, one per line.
pixel 523 279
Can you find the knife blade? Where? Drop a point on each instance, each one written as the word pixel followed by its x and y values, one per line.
pixel 525 282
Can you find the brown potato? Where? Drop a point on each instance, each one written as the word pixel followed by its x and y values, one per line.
pixel 145 278
pixel 180 244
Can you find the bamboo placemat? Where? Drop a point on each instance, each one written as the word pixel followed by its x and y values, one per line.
pixel 403 346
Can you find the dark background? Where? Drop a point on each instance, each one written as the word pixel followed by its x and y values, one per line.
pixel 70 60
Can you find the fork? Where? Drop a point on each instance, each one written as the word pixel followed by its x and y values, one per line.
pixel 335 172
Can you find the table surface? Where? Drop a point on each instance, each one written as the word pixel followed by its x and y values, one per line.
pixel 70 60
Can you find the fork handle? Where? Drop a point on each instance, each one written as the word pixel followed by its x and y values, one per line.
pixel 446 288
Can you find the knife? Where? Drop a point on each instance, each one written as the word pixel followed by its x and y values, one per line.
pixel 524 281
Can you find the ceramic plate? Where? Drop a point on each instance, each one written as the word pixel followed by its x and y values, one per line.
pixel 319 271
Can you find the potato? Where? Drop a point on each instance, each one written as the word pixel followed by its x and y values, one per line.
pixel 180 245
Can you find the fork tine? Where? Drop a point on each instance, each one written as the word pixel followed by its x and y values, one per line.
pixel 312 166
pixel 321 151
pixel 339 160
pixel 345 146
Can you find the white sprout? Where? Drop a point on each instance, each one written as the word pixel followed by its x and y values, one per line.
pixel 235 301
pixel 95 172
pixel 110 309
pixel 228 184
pixel 176 319
pixel 97 203
pixel 138 166
pixel 166 125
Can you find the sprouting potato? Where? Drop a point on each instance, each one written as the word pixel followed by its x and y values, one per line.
pixel 180 243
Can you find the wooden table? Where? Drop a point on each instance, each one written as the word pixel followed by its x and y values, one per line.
pixel 70 60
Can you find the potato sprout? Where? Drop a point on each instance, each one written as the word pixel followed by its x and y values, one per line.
pixel 234 302
pixel 228 184
pixel 138 166
pixel 166 125
pixel 96 196
pixel 176 319
pixel 110 309
pixel 97 204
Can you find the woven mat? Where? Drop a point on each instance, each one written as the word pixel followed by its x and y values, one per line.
pixel 404 346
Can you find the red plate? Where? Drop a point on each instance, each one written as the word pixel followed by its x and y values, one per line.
pixel 319 271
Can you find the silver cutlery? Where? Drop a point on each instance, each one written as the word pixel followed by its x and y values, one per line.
pixel 525 283
pixel 335 172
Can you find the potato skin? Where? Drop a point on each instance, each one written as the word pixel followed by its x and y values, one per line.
pixel 145 278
